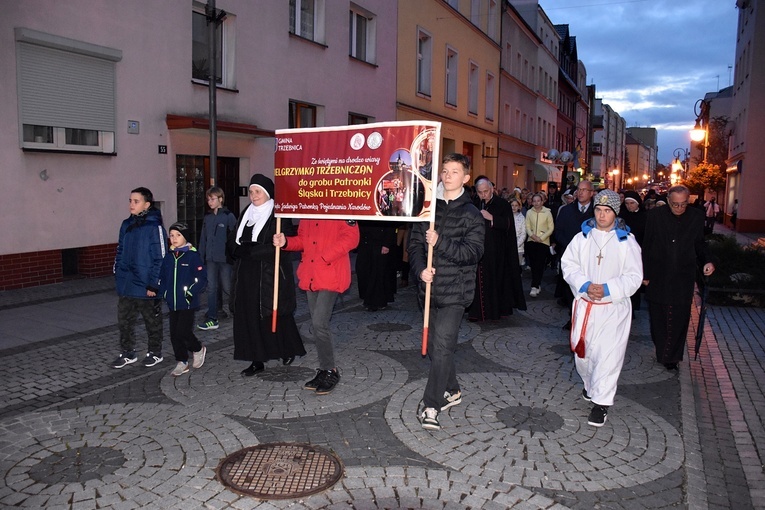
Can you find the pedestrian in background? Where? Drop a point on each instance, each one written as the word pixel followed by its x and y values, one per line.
pixel 182 280
pixel 375 265
pixel 539 229
pixel 251 247
pixel 324 273
pixel 602 265
pixel 711 210
pixel 498 273
pixel 673 250
pixel 458 243
pixel 520 230
pixel 141 247
pixel 567 225
pixel 216 227
pixel 635 217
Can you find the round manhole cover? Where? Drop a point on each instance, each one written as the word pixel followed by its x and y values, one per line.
pixel 280 470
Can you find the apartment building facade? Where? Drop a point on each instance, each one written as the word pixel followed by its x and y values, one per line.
pixel 448 71
pixel 103 97
pixel 745 183
pixel 528 34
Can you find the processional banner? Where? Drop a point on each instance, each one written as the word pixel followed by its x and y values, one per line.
pixel 380 171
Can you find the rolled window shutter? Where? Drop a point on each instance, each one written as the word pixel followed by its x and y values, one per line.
pixel 59 88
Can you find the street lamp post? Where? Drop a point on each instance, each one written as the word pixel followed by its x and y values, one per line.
pixel 614 175
pixel 561 159
pixel 700 131
pixel 680 165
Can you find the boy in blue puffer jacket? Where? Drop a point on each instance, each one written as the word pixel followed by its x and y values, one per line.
pixel 182 279
pixel 141 247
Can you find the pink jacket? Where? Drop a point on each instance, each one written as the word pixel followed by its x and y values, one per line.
pixel 325 263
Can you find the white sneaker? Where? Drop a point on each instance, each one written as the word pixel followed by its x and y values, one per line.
pixel 180 369
pixel 199 358
pixel 452 399
pixel 534 292
pixel 429 419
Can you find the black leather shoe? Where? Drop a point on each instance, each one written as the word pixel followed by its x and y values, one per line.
pixel 670 366
pixel 288 361
pixel 253 369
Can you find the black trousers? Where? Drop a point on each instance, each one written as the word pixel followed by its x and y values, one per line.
pixel 536 255
pixel 182 334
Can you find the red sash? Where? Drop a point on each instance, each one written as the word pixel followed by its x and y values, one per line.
pixel 578 349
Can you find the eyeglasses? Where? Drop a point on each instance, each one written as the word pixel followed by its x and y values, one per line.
pixel 681 205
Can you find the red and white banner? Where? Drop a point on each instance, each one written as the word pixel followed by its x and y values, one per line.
pixel 385 171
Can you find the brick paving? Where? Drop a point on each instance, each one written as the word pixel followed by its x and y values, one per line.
pixel 75 433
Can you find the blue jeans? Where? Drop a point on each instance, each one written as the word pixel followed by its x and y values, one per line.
pixel 321 304
pixel 218 273
pixel 443 330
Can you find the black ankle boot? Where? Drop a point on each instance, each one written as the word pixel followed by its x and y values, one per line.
pixel 288 361
pixel 253 369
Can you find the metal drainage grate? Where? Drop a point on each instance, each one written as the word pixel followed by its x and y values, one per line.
pixel 280 470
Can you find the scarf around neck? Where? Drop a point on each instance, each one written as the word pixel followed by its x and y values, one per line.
pixel 255 216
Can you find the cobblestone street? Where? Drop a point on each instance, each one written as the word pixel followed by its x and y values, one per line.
pixel 75 433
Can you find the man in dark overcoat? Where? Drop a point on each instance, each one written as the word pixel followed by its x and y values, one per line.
pixel 567 225
pixel 498 279
pixel 673 249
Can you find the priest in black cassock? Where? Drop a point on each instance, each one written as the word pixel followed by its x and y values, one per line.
pixel 375 266
pixel 673 248
pixel 498 278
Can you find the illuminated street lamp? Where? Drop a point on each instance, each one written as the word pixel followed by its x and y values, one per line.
pixel 614 174
pixel 680 165
pixel 700 131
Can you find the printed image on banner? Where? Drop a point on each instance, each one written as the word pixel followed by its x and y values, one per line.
pixel 364 172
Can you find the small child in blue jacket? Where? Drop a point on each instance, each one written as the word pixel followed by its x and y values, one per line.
pixel 182 279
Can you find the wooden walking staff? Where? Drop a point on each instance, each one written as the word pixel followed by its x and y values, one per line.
pixel 276 277
pixel 427 297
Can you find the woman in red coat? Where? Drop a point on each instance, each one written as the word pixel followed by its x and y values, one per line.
pixel 324 273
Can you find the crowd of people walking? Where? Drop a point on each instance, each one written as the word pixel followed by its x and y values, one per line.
pixel 605 248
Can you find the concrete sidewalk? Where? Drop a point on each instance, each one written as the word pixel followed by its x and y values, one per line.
pixel 75 433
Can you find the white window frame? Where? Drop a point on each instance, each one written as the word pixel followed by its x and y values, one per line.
pixel 451 76
pixel 475 12
pixel 227 50
pixel 424 62
pixel 318 21
pixel 473 79
pixel 489 96
pixel 69 104
pixel 104 145
pixel 369 34
pixel 491 29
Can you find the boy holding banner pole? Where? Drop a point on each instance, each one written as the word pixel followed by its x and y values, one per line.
pixel 457 243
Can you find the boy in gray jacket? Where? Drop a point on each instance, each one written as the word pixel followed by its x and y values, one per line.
pixel 212 246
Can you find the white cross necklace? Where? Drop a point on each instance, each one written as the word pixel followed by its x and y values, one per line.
pixel 599 256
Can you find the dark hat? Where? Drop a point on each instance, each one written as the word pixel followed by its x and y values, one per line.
pixel 264 183
pixel 183 228
pixel 634 195
pixel 608 198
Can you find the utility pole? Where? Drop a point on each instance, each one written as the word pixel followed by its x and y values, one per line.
pixel 214 19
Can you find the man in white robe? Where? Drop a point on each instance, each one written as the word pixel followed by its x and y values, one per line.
pixel 603 267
